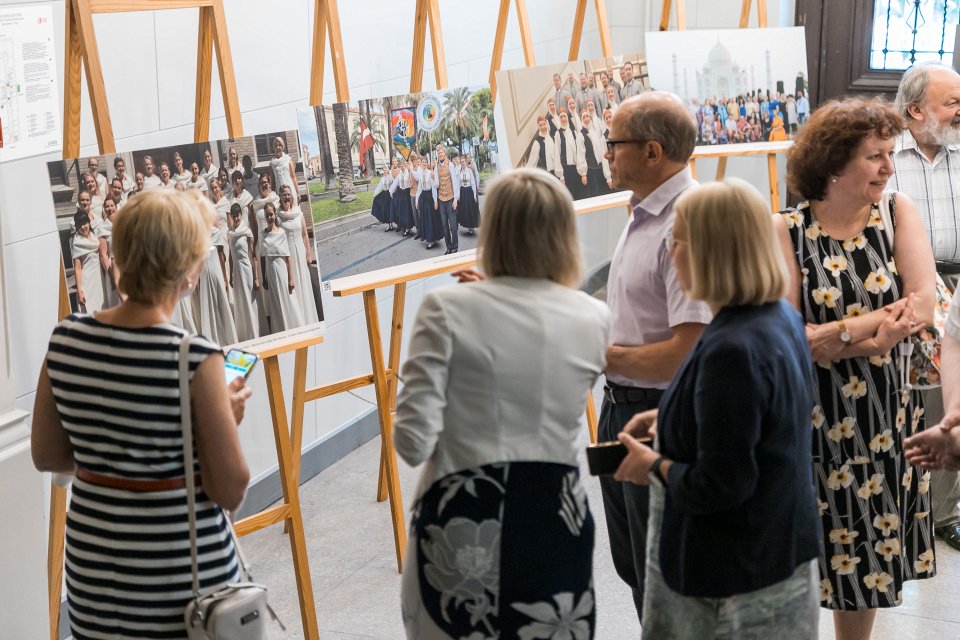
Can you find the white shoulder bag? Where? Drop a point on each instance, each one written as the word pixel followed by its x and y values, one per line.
pixel 235 611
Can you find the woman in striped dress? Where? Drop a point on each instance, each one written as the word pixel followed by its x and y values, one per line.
pixel 108 407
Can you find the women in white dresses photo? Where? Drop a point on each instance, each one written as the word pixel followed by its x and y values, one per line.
pixel 166 178
pixel 284 309
pixel 120 172
pixel 301 254
pixel 244 275
pixel 111 297
pixel 210 170
pixel 150 179
pixel 283 168
pixel 210 301
pixel 180 173
pixel 85 251
pixel 196 181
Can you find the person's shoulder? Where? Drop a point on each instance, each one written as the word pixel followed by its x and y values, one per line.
pixel 204 346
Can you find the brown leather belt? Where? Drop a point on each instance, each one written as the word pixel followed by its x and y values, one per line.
pixel 129 484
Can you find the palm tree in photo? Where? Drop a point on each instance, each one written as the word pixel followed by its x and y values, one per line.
pixel 326 160
pixel 462 113
pixel 348 192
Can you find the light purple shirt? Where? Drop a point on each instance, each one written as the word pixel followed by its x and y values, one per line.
pixel 643 291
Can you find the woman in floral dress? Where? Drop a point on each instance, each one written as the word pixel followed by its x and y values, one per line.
pixel 860 298
pixel 501 539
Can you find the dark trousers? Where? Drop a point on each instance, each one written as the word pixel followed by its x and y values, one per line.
pixel 626 506
pixel 449 217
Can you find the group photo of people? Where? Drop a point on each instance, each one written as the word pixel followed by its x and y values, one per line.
pixel 739 89
pixel 260 275
pixel 558 117
pixel 411 167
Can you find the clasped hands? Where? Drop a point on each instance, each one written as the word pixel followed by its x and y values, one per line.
pixel 900 322
pixel 937 447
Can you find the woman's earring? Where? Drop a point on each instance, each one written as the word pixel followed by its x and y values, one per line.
pixel 833 179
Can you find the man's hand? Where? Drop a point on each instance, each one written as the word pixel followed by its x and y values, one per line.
pixel 934 448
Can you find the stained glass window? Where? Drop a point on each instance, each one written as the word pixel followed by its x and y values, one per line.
pixel 908 31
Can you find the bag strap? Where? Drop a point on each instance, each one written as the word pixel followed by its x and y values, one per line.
pixel 186 420
pixel 886 217
pixel 905 346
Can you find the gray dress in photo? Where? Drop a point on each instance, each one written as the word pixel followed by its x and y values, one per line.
pixel 284 309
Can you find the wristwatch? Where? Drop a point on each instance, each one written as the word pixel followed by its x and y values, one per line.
pixel 656 476
pixel 844 334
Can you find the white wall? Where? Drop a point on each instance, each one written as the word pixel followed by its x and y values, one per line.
pixel 149 61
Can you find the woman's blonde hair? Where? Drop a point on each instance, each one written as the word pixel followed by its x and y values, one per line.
pixel 735 258
pixel 157 237
pixel 529 229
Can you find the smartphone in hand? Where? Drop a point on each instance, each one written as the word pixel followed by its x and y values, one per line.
pixel 239 364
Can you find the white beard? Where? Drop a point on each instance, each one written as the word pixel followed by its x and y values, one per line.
pixel 941 134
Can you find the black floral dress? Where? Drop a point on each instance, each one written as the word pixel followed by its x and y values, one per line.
pixel 874 506
pixel 502 551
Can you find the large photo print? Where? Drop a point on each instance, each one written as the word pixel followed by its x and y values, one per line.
pixel 558 117
pixel 260 277
pixel 742 85
pixel 398 179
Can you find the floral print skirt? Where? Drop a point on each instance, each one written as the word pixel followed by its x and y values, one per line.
pixel 501 551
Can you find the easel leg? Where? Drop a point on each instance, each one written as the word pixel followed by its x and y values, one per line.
pixel 58 524
pixel 592 418
pixel 388 454
pixel 577 30
pixel 419 46
pixel 721 168
pixel 72 89
pixel 693 168
pixel 289 477
pixel 774 181
pixel 201 125
pixel 296 418
pixel 393 365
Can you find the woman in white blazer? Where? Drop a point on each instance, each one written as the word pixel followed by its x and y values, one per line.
pixel 501 533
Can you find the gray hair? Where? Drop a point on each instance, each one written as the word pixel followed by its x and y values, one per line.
pixel 667 122
pixel 913 86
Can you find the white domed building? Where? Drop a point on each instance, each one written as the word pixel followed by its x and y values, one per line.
pixel 721 75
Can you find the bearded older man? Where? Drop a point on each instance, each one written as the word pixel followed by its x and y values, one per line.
pixel 927 168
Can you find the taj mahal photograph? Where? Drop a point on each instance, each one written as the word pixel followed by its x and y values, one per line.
pixel 741 85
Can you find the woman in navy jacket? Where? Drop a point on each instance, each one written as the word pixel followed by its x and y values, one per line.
pixel 733 521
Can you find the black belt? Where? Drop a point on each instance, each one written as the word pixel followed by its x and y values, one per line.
pixel 949 268
pixel 628 395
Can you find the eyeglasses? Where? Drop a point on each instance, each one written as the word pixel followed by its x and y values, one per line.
pixel 612 144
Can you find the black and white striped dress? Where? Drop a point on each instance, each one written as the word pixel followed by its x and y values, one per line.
pixel 128 552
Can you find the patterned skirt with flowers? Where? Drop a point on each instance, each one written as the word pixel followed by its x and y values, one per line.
pixel 501 551
pixel 874 506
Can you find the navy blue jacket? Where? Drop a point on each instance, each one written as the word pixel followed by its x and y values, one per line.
pixel 740 512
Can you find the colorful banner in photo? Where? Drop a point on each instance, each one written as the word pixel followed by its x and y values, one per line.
pixel 403 130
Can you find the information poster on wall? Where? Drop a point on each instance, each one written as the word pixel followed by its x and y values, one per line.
pixel 29 103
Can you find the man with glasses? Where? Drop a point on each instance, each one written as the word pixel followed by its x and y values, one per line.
pixel 654 325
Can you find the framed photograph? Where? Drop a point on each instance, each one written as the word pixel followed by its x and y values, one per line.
pixel 742 85
pixel 558 117
pixel 397 179
pixel 260 278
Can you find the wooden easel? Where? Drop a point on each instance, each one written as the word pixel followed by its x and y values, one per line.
pixel 326 20
pixel 770 149
pixel 81 48
pixel 427 9
pixel 606 45
pixel 525 37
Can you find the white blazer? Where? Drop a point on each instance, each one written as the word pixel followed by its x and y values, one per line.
pixel 475 393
